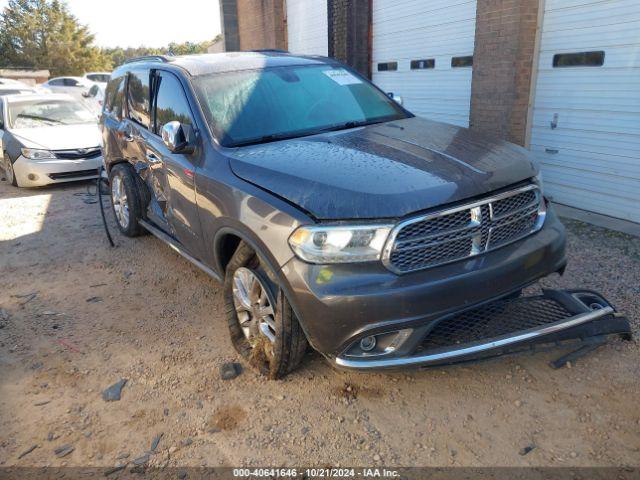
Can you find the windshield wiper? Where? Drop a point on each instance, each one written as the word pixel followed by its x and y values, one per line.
pixel 265 139
pixel 349 124
pixel 38 117
pixel 331 128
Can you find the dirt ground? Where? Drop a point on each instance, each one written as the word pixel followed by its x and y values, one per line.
pixel 77 316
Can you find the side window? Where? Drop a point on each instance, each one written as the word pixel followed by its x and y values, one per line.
pixel 171 102
pixel 56 82
pixel 70 82
pixel 138 97
pixel 1 116
pixel 114 87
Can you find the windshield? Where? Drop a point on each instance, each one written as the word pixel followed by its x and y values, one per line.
pixel 255 106
pixel 39 113
pixel 98 77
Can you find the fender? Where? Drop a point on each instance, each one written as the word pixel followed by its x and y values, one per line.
pixel 256 244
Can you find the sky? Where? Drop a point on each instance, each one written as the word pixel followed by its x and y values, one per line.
pixel 133 23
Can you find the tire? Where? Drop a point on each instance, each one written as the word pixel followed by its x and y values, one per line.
pixel 8 170
pixel 127 199
pixel 275 357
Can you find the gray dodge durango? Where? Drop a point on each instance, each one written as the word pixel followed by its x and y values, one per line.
pixel 337 219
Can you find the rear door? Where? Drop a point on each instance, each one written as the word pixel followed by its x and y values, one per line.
pixel 136 136
pixel 112 120
pixel 178 170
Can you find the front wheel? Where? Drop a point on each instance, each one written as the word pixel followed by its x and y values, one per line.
pixel 8 170
pixel 262 324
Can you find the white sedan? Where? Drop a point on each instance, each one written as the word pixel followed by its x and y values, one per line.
pixel 75 86
pixel 46 139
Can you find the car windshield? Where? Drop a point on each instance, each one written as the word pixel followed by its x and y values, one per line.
pixel 48 112
pixel 98 77
pixel 257 106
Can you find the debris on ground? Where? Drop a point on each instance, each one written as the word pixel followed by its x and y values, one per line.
pixel 41 404
pixel 68 345
pixel 113 393
pixel 64 450
pixel 230 370
pixel 26 298
pixel 115 469
pixel 28 451
pixel 155 442
pixel 141 460
pixel 525 450
pixel 94 299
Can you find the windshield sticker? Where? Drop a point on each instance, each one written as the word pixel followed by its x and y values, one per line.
pixel 342 77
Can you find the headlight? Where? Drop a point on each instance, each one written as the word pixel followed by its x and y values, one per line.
pixel 339 244
pixel 35 154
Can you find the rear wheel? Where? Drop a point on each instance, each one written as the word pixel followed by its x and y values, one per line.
pixel 126 199
pixel 263 327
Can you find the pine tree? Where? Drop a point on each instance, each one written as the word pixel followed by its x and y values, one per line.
pixel 44 34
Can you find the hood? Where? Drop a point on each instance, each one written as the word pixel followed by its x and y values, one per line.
pixel 62 137
pixel 383 171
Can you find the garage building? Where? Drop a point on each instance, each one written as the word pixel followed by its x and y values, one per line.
pixel 561 77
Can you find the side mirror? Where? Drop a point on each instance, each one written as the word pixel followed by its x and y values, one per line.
pixel 85 94
pixel 178 137
pixel 395 98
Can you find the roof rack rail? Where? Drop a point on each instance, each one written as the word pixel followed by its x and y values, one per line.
pixel 269 50
pixel 150 58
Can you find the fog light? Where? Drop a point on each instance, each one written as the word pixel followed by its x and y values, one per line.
pixel 32 176
pixel 368 343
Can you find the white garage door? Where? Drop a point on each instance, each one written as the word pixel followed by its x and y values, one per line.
pixel 586 125
pixel 422 51
pixel 307 27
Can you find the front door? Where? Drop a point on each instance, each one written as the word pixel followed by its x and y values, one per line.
pixel 178 170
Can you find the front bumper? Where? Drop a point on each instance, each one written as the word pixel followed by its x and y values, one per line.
pixel 504 326
pixel 338 305
pixel 31 173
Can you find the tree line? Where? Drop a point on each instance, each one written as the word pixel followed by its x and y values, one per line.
pixel 43 34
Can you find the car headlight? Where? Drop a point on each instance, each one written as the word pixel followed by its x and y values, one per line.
pixel 36 154
pixel 339 244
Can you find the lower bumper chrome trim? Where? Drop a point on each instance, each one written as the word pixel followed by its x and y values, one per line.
pixel 451 355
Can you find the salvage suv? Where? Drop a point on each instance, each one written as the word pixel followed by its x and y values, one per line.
pixel 334 217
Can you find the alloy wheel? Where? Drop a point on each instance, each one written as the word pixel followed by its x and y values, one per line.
pixel 119 199
pixel 254 306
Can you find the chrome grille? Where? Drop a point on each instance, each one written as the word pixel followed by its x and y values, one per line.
pixel 77 154
pixel 464 231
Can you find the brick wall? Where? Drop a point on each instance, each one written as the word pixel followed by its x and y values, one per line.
pixel 502 67
pixel 253 24
pixel 229 17
pixel 349 33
